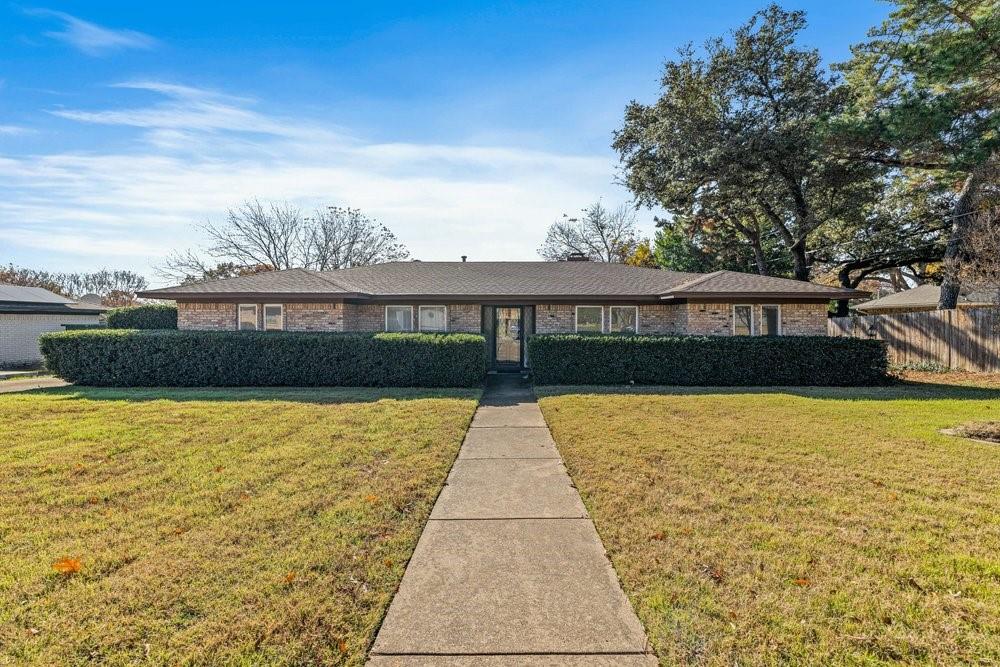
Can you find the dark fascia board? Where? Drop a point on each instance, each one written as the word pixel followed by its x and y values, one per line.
pixel 254 297
pixel 511 299
pixel 21 308
pixel 757 297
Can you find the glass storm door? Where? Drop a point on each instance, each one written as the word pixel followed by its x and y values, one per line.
pixel 508 336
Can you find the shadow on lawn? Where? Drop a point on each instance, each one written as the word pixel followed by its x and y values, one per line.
pixel 331 395
pixel 912 391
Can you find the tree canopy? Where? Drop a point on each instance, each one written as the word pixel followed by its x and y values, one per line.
pixel 599 234
pixel 926 98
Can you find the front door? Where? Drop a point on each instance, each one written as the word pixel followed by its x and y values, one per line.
pixel 509 335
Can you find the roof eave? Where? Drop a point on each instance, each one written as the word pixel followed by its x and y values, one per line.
pixel 845 294
pixel 235 296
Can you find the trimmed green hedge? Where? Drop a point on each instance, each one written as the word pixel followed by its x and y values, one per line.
pixel 148 316
pixel 734 361
pixel 130 358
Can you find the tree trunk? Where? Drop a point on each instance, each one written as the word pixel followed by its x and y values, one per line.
pixel 758 256
pixel 955 250
pixel 800 261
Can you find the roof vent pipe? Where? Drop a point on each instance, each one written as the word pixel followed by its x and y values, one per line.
pixel 465 257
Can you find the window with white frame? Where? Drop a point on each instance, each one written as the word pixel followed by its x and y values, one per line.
pixel 623 319
pixel 248 317
pixel 589 319
pixel 743 320
pixel 433 318
pixel 274 317
pixel 770 320
pixel 399 318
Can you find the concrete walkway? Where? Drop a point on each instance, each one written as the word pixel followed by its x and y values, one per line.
pixel 29 383
pixel 509 570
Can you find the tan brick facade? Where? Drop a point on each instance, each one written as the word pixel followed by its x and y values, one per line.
pixel 314 316
pixel 715 319
pixel 206 316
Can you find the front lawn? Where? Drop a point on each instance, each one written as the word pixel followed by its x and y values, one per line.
pixel 249 527
pixel 819 526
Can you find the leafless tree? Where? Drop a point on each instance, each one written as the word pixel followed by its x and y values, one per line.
pixel 981 268
pixel 256 233
pixel 116 288
pixel 339 238
pixel 600 234
pixel 258 236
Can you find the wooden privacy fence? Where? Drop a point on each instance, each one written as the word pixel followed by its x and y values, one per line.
pixel 962 339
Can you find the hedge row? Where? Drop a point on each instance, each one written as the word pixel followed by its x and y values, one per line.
pixel 148 316
pixel 130 358
pixel 741 361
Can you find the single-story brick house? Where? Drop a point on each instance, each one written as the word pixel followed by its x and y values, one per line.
pixel 506 301
pixel 28 312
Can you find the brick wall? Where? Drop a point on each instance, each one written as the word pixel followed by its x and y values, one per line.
pixel 19 334
pixel 365 317
pixel 207 316
pixel 314 317
pixel 797 319
pixel 662 319
pixel 465 317
pixel 555 318
pixel 803 319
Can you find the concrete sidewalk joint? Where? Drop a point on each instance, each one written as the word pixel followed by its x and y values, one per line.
pixel 509 569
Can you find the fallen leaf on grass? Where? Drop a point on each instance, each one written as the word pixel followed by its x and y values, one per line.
pixel 66 566
pixel 218 468
pixel 658 536
pixel 802 581
pixel 290 577
pixel 388 562
pixel 342 645
pixel 371 498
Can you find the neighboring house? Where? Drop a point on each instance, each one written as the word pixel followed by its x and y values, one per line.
pixel 921 298
pixel 28 312
pixel 506 300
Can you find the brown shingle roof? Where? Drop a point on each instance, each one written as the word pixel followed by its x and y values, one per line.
pixel 923 297
pixel 498 280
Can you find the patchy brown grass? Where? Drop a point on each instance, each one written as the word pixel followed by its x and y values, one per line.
pixel 957 378
pixel 981 431
pixel 238 527
pixel 800 526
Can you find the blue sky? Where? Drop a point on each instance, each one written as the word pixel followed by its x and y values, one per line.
pixel 465 127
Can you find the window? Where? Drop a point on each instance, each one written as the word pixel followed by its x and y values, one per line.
pixel 770 320
pixel 623 319
pixel 589 319
pixel 433 318
pixel 743 320
pixel 399 318
pixel 248 317
pixel 274 317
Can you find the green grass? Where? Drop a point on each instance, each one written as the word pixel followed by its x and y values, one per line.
pixel 227 527
pixel 801 526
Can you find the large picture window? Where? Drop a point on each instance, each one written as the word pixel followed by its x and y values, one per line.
pixel 274 317
pixel 623 319
pixel 743 320
pixel 589 319
pixel 399 318
pixel 248 317
pixel 770 320
pixel 433 318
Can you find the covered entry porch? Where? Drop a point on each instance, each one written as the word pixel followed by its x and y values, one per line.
pixel 506 328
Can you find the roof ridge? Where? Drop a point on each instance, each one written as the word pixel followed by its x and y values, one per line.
pixel 696 281
pixel 319 274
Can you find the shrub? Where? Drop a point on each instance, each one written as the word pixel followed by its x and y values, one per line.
pixel 148 316
pixel 708 360
pixel 130 358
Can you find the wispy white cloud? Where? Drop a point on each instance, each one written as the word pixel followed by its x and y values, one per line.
pixel 11 130
pixel 90 38
pixel 199 152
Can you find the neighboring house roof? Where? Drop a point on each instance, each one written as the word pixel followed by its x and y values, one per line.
pixel 469 281
pixel 923 297
pixel 15 299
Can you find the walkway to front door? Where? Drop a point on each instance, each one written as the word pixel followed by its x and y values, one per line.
pixel 509 569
